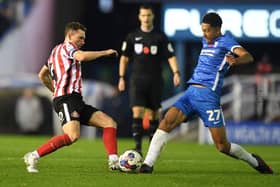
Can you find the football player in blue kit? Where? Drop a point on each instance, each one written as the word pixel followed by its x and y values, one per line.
pixel 202 98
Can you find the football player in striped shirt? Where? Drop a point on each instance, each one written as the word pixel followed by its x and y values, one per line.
pixel 63 77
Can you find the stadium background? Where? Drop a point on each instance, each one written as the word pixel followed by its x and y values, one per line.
pixel 106 29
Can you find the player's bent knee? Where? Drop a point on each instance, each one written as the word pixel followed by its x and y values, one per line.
pixel 74 137
pixel 102 120
pixel 111 123
pixel 166 125
pixel 107 124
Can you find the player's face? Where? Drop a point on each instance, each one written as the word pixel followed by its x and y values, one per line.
pixel 210 33
pixel 146 17
pixel 78 37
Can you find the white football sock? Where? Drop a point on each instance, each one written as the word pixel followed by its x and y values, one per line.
pixel 36 154
pixel 240 153
pixel 113 157
pixel 159 140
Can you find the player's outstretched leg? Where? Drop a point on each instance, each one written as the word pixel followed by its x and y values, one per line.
pixel 252 159
pixel 153 128
pixel 110 143
pixel 146 168
pixel 109 136
pixel 236 151
pixel 56 142
pixel 113 162
pixel 159 140
pixel 31 160
pixel 262 166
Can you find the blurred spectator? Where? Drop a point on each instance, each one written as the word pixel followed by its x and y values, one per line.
pixel 264 67
pixel 118 107
pixel 29 113
pixel 13 13
pixel 95 93
pixel 20 10
pixel 5 17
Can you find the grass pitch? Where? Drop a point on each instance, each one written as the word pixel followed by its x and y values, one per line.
pixel 85 164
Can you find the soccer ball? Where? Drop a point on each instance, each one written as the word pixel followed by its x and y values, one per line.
pixel 130 161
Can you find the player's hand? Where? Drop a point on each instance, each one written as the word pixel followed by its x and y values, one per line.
pixel 230 59
pixel 111 52
pixel 176 79
pixel 121 85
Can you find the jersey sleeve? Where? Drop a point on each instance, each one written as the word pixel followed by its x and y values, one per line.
pixel 168 50
pixel 230 44
pixel 127 46
pixel 71 53
pixel 69 50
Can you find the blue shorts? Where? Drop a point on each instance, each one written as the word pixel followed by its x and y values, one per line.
pixel 204 103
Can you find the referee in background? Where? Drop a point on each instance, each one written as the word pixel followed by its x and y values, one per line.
pixel 147 48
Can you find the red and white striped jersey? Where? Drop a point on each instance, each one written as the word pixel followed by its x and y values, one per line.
pixel 65 70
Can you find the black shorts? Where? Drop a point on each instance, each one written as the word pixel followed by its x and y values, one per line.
pixel 145 92
pixel 72 107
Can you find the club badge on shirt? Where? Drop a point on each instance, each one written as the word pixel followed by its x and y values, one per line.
pixel 138 48
pixel 154 49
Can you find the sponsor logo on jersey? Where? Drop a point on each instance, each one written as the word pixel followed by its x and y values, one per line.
pixel 138 48
pixel 207 52
pixel 146 50
pixel 154 49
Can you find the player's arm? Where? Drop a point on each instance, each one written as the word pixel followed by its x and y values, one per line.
pixel 175 69
pixel 45 77
pixel 84 56
pixel 122 69
pixel 243 57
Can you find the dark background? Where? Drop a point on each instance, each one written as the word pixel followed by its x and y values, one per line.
pixel 107 30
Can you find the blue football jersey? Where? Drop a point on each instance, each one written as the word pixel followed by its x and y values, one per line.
pixel 212 67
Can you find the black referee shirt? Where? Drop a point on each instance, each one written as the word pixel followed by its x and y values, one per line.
pixel 147 50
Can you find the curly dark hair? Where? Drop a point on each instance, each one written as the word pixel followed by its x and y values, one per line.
pixel 213 19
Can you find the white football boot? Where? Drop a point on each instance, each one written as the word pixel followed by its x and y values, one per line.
pixel 31 162
pixel 113 162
